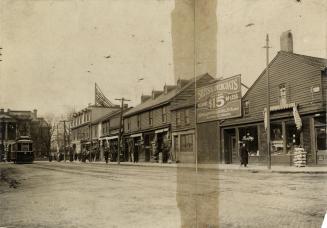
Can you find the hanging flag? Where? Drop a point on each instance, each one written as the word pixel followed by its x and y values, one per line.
pixel 297 118
pixel 100 98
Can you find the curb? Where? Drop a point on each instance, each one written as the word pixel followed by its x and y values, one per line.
pixel 222 169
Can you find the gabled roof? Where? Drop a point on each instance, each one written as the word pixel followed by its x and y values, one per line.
pixel 313 61
pixel 161 99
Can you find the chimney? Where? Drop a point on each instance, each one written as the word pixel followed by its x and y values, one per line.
pixel 181 83
pixel 156 93
pixel 144 98
pixel 286 41
pixel 168 88
pixel 35 113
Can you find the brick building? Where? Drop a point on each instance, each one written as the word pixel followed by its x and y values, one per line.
pixel 14 123
pixel 85 128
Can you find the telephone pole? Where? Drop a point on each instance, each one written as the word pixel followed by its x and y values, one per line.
pixel 64 121
pixel 121 125
pixel 268 104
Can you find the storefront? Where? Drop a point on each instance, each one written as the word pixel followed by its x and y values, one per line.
pixel 320 131
pixel 183 146
pixel 162 145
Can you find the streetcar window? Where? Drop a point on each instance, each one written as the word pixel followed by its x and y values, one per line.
pixel 19 147
pixel 31 146
pixel 25 147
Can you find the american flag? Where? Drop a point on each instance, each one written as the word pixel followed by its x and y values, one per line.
pixel 100 98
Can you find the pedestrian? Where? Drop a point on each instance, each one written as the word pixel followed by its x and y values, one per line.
pixel 106 155
pixel 244 154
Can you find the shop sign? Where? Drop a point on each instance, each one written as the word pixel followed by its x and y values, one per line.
pixel 220 100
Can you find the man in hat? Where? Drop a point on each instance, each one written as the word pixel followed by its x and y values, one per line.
pixel 244 154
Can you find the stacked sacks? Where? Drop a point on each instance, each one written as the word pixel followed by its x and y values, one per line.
pixel 300 157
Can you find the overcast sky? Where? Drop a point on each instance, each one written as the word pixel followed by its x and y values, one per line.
pixel 55 50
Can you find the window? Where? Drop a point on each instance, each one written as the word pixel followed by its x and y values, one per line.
pixel 139 121
pixel 186 144
pixel 187 116
pixel 282 94
pixel 276 135
pixel 150 118
pixel 246 107
pixel 178 118
pixel 164 114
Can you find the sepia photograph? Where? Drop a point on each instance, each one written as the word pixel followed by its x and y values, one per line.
pixel 163 113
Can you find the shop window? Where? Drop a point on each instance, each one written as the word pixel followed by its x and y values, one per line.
pixel 249 135
pixel 150 118
pixel 246 108
pixel 178 118
pixel 321 138
pixel 292 137
pixel 276 135
pixel 187 116
pixel 282 94
pixel 164 114
pixel 186 144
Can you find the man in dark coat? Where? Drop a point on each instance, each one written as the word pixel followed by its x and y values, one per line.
pixel 244 154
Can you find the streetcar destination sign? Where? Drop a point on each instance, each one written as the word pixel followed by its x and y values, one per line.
pixel 220 100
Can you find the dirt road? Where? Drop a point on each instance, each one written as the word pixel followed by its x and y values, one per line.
pixel 88 195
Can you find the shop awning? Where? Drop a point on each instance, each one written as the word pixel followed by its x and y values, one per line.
pixel 296 114
pixel 111 137
pixel 136 135
pixel 161 130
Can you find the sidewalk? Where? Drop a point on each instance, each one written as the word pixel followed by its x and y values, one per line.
pixel 224 167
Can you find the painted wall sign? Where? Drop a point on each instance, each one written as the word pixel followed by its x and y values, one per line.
pixel 220 100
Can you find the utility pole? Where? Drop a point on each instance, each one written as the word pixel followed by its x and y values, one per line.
pixel 64 121
pixel 121 125
pixel 268 104
pixel 2 139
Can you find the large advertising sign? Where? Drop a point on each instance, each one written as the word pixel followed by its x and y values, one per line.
pixel 220 100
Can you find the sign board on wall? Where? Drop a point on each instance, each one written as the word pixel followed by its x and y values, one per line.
pixel 220 100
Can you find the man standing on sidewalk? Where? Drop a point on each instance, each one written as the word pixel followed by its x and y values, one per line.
pixel 244 155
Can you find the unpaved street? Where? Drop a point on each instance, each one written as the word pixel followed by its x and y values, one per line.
pixel 96 195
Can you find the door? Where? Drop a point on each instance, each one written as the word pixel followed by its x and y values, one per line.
pixel 321 145
pixel 176 148
pixel 233 147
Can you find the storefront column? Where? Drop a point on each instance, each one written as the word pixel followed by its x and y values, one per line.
pixel 237 135
pixel 6 131
pixel 313 139
pixel 284 137
pixel 259 141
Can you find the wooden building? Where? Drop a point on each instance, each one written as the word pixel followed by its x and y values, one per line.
pixel 147 126
pixel 183 126
pixel 297 111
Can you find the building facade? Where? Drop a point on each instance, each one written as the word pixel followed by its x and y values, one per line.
pixel 85 129
pixel 297 89
pixel 14 123
pixel 183 124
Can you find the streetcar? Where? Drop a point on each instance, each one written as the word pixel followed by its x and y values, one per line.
pixel 22 150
